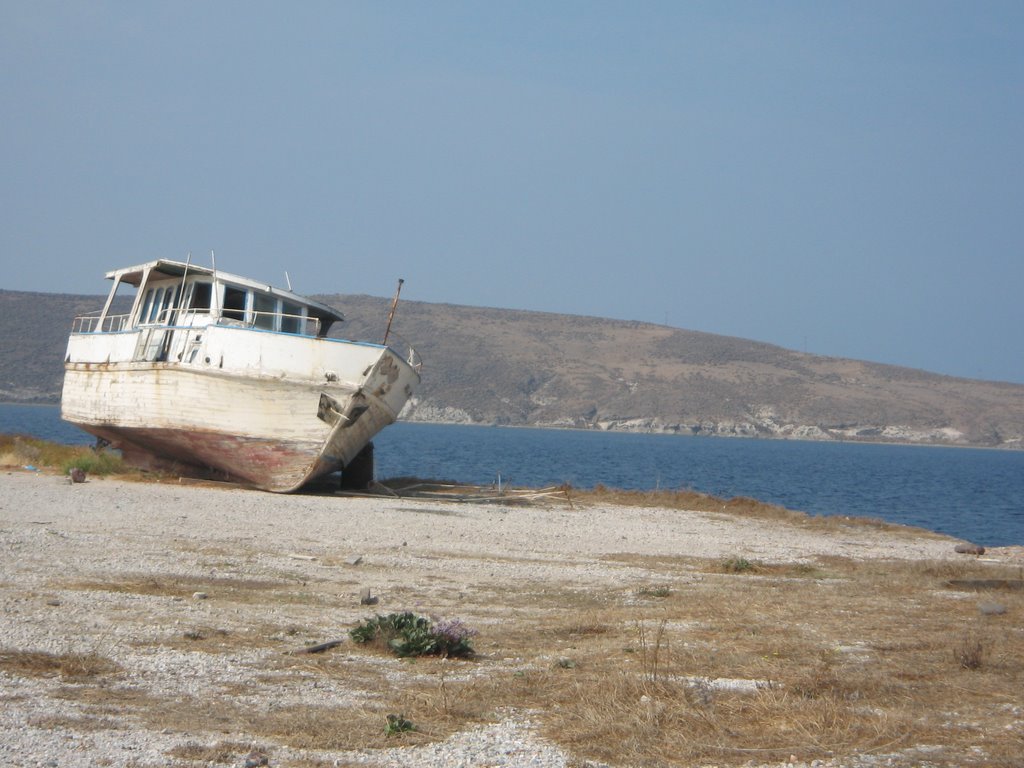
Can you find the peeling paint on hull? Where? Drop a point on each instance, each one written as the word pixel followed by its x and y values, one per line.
pixel 270 465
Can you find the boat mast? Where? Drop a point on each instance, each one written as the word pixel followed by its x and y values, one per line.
pixel 391 314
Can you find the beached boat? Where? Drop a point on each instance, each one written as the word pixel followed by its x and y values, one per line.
pixel 222 372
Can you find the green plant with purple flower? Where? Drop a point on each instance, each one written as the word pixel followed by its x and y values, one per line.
pixel 406 634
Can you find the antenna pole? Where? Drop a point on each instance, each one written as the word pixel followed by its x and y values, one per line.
pixel 391 314
pixel 184 274
pixel 214 290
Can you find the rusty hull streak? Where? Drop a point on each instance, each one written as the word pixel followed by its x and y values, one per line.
pixel 272 465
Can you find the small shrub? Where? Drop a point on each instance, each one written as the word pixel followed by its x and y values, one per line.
pixel 95 463
pixel 406 634
pixel 395 724
pixel 453 637
pixel 970 652
pixel 738 565
pixel 654 591
pixel 651 649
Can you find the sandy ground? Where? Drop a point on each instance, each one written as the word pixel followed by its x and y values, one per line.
pixel 61 543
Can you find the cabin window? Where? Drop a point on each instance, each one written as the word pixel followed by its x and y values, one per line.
pixel 167 310
pixel 234 303
pixel 147 307
pixel 291 318
pixel 159 305
pixel 265 308
pixel 201 295
pixel 154 311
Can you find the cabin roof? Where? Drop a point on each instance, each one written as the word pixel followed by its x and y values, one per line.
pixel 162 268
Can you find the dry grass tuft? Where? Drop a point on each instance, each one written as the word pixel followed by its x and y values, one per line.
pixel 21 450
pixel 83 723
pixel 328 728
pixel 71 667
pixel 581 627
pixel 225 752
pixel 971 650
pixel 740 506
pixel 182 586
pixel 661 590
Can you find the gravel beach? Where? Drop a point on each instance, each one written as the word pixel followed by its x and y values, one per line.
pixel 66 552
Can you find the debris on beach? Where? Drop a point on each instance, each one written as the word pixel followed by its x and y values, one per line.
pixel 969 549
pixel 461 492
pixel 991 609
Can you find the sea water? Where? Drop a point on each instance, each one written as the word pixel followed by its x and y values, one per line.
pixel 972 494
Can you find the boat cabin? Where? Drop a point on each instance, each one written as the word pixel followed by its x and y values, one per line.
pixel 173 294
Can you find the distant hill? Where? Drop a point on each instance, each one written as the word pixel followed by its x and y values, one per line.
pixel 507 367
pixel 34 331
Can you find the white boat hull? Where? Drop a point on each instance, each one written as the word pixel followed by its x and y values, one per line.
pixel 272 410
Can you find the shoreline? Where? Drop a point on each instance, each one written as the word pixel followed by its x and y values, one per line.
pixel 991 519
pixel 667 433
pixel 815 477
pixel 780 438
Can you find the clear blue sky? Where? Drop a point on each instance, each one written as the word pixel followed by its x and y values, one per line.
pixel 845 178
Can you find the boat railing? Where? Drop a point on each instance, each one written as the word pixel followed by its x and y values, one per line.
pixel 284 322
pixel 406 350
pixel 299 325
pixel 96 322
